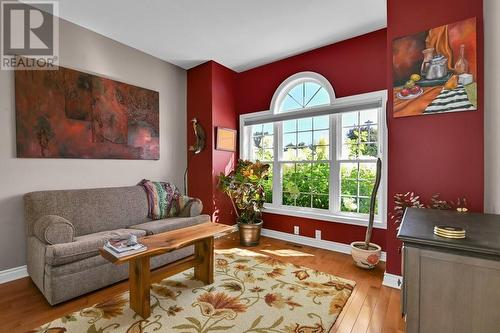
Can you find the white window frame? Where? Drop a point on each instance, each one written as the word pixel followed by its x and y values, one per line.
pixel 333 214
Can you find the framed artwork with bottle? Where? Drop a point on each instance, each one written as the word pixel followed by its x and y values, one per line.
pixel 435 71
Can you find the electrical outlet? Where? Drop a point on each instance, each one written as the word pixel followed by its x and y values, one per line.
pixel 318 234
pixel 296 230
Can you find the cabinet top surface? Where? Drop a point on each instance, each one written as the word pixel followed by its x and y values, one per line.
pixel 482 230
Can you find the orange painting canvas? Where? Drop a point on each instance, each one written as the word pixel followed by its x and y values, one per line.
pixel 435 71
pixel 226 139
pixel 71 114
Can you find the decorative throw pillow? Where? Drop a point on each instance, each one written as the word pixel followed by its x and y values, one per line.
pixel 163 199
pixel 54 229
pixel 190 206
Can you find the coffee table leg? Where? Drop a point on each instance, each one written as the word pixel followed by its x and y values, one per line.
pixel 205 271
pixel 139 286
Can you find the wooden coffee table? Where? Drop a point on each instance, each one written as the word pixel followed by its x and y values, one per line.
pixel 201 236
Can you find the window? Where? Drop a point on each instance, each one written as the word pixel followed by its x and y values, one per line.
pixel 262 143
pixel 322 150
pixel 303 95
pixel 357 162
pixel 304 164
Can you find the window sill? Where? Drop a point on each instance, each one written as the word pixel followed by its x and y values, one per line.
pixel 337 218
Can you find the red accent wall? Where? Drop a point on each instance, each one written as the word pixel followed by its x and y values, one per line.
pixel 354 66
pixel 224 115
pixel 210 98
pixel 199 106
pixel 427 154
pixel 438 153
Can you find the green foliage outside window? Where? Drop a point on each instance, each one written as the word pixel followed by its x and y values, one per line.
pixel 356 186
pixel 361 141
pixel 306 181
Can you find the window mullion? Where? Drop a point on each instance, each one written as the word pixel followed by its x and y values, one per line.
pixel 334 181
pixel 249 147
pixel 277 148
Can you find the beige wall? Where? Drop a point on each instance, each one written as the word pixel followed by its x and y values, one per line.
pixel 87 51
pixel 492 106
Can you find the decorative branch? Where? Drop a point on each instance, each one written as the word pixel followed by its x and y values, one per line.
pixel 410 200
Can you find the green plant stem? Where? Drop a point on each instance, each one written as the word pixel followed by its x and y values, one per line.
pixel 234 206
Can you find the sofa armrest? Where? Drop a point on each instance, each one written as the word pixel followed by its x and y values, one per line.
pixel 192 207
pixel 53 229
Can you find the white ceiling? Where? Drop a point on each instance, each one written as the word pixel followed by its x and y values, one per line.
pixel 236 33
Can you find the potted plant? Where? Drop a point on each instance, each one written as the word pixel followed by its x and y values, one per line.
pixel 367 254
pixel 245 188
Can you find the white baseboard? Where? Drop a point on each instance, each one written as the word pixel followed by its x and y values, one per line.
pixel 13 274
pixel 319 243
pixel 392 280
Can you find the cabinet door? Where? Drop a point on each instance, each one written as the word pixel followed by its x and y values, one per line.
pixel 411 288
pixel 403 284
pixel 458 293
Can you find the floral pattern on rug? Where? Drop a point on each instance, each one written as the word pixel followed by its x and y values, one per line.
pixel 252 293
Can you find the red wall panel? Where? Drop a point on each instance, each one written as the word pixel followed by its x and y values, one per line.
pixel 199 106
pixel 210 98
pixel 353 66
pixel 338 232
pixel 436 153
pixel 224 115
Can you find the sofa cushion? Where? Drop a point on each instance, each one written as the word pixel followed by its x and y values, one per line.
pixel 173 223
pixel 89 210
pixel 84 246
pixel 54 229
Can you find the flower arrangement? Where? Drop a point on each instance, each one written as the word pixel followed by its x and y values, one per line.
pixel 245 188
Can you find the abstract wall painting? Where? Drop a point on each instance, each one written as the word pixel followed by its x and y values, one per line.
pixel 71 114
pixel 435 71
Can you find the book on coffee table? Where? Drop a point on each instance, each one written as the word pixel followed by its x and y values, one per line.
pixel 132 250
pixel 120 245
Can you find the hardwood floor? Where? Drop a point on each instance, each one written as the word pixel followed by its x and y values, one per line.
pixel 371 308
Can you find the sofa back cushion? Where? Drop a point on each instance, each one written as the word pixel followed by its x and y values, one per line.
pixel 89 210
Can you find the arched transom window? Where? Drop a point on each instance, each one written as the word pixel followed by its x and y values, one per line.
pixel 301 91
pixel 304 95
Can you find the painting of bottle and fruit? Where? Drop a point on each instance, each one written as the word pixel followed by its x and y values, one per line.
pixel 435 71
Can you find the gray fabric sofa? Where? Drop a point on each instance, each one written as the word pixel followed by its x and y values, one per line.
pixel 65 228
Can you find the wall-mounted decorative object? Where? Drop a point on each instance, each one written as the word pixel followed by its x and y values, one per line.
pixel 435 71
pixel 226 139
pixel 198 146
pixel 71 114
pixel 200 137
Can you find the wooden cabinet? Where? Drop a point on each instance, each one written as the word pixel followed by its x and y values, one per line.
pixel 450 285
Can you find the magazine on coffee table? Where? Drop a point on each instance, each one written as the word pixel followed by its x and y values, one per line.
pixel 121 245
pixel 116 254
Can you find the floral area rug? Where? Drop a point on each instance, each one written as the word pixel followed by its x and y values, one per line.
pixel 252 293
